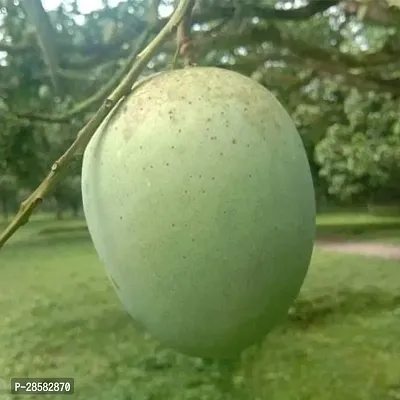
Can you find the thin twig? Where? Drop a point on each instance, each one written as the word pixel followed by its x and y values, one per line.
pixel 59 168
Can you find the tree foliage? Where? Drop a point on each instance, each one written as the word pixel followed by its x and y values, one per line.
pixel 334 64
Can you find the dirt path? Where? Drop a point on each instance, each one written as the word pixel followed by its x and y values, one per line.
pixel 382 250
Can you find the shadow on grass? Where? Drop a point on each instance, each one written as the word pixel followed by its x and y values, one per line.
pixel 64 229
pixel 112 325
pixel 34 221
pixel 358 230
pixel 317 310
pixel 304 314
pixel 64 239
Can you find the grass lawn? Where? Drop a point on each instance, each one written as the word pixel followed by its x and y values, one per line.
pixel 360 226
pixel 60 317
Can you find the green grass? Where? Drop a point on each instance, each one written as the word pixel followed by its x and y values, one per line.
pixel 60 317
pixel 359 226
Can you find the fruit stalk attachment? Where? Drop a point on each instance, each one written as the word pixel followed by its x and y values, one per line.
pixel 184 46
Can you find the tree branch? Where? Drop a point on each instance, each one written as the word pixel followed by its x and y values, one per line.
pixel 376 12
pixel 264 12
pixel 325 69
pixel 97 97
pixel 331 61
pixel 47 38
pixel 214 12
pixel 59 168
pixel 319 57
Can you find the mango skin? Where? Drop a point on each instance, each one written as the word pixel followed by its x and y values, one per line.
pixel 199 201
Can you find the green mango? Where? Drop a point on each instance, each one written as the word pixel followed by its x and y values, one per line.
pixel 200 203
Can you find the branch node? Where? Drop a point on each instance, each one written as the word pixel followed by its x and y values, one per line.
pixel 108 104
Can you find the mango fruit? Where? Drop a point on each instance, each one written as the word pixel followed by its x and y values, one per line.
pixel 199 200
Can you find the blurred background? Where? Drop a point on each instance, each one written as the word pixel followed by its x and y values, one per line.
pixel 335 66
